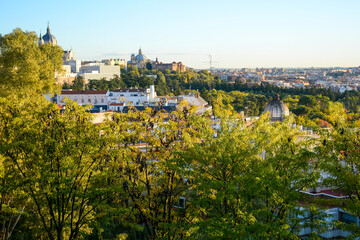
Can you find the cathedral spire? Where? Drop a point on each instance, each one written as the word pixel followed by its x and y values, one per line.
pixel 41 41
pixel 48 37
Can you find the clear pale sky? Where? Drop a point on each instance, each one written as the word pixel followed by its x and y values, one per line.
pixel 237 33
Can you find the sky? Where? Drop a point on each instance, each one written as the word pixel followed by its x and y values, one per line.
pixel 236 33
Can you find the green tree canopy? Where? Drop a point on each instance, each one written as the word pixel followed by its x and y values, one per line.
pixel 27 69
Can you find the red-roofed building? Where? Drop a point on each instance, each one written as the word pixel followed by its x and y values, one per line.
pixel 97 98
pixel 117 107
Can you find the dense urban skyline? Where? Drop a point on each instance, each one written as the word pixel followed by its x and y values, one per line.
pixel 236 33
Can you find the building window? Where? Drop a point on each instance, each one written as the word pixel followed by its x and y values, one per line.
pixel 181 203
pixel 347 218
pixel 102 100
pixel 89 100
pixel 82 100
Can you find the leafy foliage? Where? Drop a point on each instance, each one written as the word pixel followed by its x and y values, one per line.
pixel 27 69
pixel 159 175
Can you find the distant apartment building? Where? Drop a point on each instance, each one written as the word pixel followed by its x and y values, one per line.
pixel 301 84
pixel 65 76
pixel 115 62
pixel 134 96
pixel 97 71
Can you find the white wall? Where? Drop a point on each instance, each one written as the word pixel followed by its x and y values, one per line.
pixel 84 99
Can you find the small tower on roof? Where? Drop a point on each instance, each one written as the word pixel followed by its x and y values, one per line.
pixel 41 41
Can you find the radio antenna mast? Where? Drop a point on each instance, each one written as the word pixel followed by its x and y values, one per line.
pixel 209 79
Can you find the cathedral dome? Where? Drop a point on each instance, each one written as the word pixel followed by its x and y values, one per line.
pixel 140 56
pixel 277 109
pixel 48 37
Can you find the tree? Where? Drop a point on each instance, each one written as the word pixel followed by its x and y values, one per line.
pixel 66 86
pixel 25 68
pixel 302 110
pixel 148 66
pixel 248 180
pixel 306 100
pixel 27 71
pixel 340 161
pixel 116 83
pixel 62 171
pixel 155 177
pixel 12 205
pixel 78 84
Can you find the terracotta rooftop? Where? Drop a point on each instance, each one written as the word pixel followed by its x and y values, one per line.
pixel 130 90
pixel 86 92
pixel 336 193
pixel 116 104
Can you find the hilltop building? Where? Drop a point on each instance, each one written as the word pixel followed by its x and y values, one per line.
pixel 70 67
pixel 139 60
pixel 69 59
pixel 174 66
pixel 68 55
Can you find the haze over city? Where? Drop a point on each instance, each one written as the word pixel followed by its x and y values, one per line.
pixel 237 34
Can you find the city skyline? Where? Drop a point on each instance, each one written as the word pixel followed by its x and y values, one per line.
pixel 236 33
